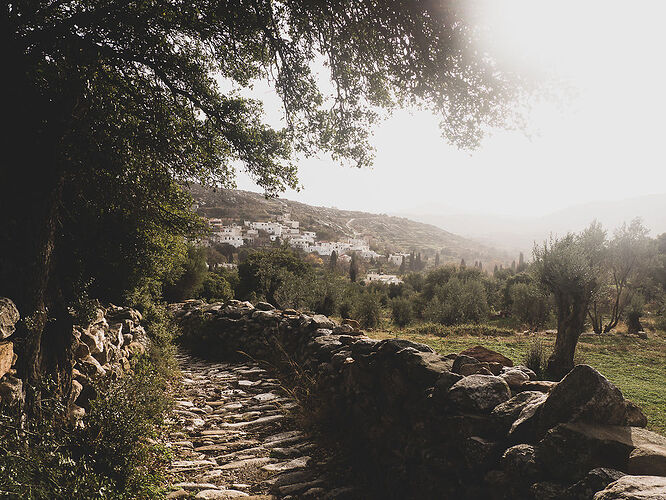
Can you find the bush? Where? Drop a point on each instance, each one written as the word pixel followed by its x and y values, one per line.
pixel 367 310
pixel 108 458
pixel 536 357
pixel 345 308
pixel 216 288
pixel 401 311
pixel 529 304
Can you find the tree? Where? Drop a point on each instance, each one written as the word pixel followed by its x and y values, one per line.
pixel 403 266
pixel 625 258
pixel 569 269
pixel 522 265
pixel 353 267
pixel 437 259
pixel 115 103
pixel 333 261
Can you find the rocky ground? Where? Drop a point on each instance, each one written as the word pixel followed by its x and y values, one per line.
pixel 235 434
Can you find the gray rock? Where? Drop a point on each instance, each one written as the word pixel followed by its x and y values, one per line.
pixel 519 462
pixel 509 411
pixel 595 480
pixel 264 306
pixel 515 378
pixel 462 360
pixel 634 488
pixel 9 316
pixel 11 390
pixel 479 393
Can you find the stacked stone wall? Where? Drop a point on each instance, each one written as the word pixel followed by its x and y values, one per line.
pixel 463 425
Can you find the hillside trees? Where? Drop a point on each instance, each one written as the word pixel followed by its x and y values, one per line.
pixel 569 268
pixel 626 258
pixel 114 103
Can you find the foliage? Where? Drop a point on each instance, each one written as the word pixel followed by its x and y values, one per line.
pixel 530 304
pixel 216 288
pixel 264 272
pixel 188 278
pixel 366 310
pixel 108 458
pixel 536 356
pixel 401 311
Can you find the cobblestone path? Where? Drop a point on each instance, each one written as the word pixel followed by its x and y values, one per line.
pixel 234 436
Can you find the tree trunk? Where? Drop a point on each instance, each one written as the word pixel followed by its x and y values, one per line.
pixel 570 324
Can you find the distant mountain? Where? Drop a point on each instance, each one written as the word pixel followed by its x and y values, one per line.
pixel 515 234
pixel 386 233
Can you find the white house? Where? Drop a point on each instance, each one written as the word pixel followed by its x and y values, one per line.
pixel 389 279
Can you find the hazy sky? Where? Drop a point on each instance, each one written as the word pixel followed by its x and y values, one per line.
pixel 605 141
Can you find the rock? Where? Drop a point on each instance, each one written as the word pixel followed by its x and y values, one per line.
pixel 547 490
pixel 93 337
pixel 115 334
pixel 595 480
pixel 9 316
pixel 394 345
pixel 515 378
pixel 634 488
pixel 136 349
pixel 583 395
pixel 220 494
pixel 473 368
pixel 445 381
pixel 77 387
pixel 177 494
pixel 81 350
pixel 462 360
pixel 519 462
pixel 530 374
pixel 509 411
pixel 6 356
pixel 91 367
pixel 11 390
pixel 484 354
pixel 352 322
pixel 296 463
pixel 424 368
pixel 570 450
pixel 634 415
pixel 321 321
pixel 264 306
pixel 479 393
pixel 544 386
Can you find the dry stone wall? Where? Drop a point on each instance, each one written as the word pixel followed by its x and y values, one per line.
pixel 463 425
pixel 102 351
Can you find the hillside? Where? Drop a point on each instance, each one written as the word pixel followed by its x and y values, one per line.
pixel 386 233
pixel 519 233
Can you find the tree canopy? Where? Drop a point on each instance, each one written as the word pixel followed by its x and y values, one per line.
pixel 113 104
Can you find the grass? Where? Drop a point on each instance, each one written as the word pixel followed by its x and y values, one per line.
pixel 636 366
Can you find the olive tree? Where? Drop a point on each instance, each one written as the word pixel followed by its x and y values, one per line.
pixel 569 268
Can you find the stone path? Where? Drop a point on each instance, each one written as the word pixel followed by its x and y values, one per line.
pixel 234 436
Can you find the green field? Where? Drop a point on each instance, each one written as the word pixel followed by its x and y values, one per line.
pixel 637 367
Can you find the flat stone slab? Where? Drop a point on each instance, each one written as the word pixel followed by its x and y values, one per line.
pixel 250 462
pixel 296 463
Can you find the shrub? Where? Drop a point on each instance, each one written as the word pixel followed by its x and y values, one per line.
pixel 401 311
pixel 367 310
pixel 216 288
pixel 529 304
pixel 536 356
pixel 108 458
pixel 345 308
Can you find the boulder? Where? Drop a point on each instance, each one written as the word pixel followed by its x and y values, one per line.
pixel 544 386
pixel 321 321
pixel 595 480
pixel 352 322
pixel 519 462
pixel 479 393
pixel 9 316
pixel 515 378
pixel 570 450
pixel 634 488
pixel 423 368
pixel 81 349
pixel 115 334
pixel 388 346
pixel 91 367
pixel 489 356
pixel 473 368
pixel 93 337
pixel 531 375
pixel 11 390
pixel 509 411
pixel 264 306
pixel 583 395
pixel 6 356
pixel 462 360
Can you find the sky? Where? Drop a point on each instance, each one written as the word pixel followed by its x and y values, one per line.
pixel 600 139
